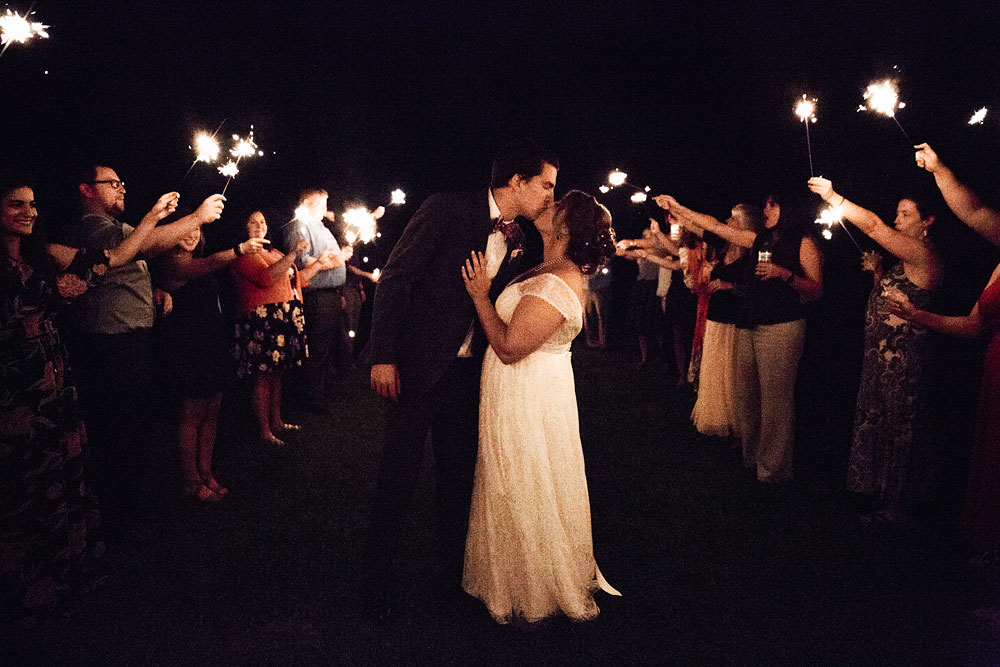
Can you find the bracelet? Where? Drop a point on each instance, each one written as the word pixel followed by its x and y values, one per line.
pixel 236 249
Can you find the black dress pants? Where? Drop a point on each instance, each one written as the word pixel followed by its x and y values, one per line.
pixel 449 412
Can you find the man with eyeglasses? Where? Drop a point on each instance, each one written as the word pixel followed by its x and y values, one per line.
pixel 111 325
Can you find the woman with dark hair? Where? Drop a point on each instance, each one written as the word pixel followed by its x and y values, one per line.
pixel 529 553
pixel 784 270
pixel 191 347
pixel 270 327
pixel 897 354
pixel 49 521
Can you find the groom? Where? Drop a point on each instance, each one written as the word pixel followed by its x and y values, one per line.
pixel 426 349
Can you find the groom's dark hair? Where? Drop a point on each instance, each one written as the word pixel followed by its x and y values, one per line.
pixel 524 158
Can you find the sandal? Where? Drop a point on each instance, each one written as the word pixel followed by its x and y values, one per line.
pixel 271 439
pixel 195 490
pixel 215 487
pixel 289 427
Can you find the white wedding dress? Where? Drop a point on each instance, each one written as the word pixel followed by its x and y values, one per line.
pixel 529 553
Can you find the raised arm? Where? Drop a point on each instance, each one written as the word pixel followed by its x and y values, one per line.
pixel 906 248
pixel 165 237
pixel 184 266
pixel 533 322
pixel 962 201
pixel 740 237
pixel 134 243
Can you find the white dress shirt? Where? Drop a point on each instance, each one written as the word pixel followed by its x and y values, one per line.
pixel 496 250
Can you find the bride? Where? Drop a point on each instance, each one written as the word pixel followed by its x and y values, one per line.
pixel 529 552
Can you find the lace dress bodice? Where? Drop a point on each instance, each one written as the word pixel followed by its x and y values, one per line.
pixel 553 290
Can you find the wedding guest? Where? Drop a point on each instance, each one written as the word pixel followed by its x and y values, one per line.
pixel 714 412
pixel 270 326
pixel 595 298
pixel 897 354
pixel 111 329
pixel 191 346
pixel 770 332
pixel 323 296
pixel 962 201
pixel 50 543
pixel 653 252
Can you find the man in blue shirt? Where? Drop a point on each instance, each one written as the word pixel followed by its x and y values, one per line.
pixel 324 302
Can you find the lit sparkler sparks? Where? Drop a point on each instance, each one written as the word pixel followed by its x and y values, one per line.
pixel 17 28
pixel 883 98
pixel 638 197
pixel 375 274
pixel 805 109
pixel 206 148
pixel 397 197
pixel 616 178
pixel 978 117
pixel 604 189
pixel 360 224
pixel 830 216
pixel 229 170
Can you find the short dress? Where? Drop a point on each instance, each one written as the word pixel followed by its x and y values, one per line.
pixel 269 330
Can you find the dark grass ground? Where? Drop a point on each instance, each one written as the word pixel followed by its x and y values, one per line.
pixel 712 572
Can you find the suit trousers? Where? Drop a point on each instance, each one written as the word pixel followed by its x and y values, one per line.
pixel 765 365
pixel 324 336
pixel 449 412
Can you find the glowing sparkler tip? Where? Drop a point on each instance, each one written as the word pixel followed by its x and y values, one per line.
pixel 638 197
pixel 805 109
pixel 978 117
pixel 17 28
pixel 397 197
pixel 360 223
pixel 604 189
pixel 229 169
pixel 206 148
pixel 827 234
pixel 883 98
pixel 376 273
pixel 616 178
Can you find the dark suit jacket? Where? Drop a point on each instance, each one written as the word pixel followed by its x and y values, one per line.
pixel 421 311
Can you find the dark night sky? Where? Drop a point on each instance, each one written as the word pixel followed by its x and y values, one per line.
pixel 690 98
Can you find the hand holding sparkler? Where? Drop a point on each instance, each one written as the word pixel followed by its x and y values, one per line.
pixel 927 158
pixel 163 207
pixel 835 213
pixel 210 209
pixel 824 188
pixel 900 305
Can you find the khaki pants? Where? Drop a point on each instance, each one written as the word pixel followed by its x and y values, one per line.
pixel 766 362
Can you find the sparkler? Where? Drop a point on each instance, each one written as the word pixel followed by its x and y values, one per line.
pixel 638 197
pixel 360 224
pixel 17 28
pixel 206 148
pixel 242 147
pixel 833 215
pixel 616 178
pixel 883 98
pixel 375 274
pixel 978 117
pixel 805 109
pixel 397 197
pixel 229 170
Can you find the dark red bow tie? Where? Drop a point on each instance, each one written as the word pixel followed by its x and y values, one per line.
pixel 511 231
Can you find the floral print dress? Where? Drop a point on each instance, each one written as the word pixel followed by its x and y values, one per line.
pixel 892 393
pixel 49 549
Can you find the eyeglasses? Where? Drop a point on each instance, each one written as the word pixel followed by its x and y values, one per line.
pixel 114 183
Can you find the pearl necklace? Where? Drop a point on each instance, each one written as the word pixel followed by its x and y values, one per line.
pixel 547 263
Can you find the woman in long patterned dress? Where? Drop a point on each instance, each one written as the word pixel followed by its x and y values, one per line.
pixel 529 553
pixel 896 355
pixel 50 547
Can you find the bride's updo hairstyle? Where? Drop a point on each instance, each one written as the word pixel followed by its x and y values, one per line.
pixel 591 239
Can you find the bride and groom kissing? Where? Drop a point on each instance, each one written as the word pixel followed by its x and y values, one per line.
pixel 470 343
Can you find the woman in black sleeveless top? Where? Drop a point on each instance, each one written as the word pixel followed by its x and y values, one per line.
pixel 784 271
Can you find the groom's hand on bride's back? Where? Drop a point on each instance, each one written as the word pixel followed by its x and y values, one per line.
pixel 385 380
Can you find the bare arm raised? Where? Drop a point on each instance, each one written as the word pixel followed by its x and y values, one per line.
pixel 962 201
